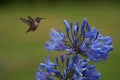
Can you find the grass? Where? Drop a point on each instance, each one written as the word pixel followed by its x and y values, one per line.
pixel 20 53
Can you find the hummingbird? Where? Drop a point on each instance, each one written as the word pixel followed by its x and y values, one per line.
pixel 32 23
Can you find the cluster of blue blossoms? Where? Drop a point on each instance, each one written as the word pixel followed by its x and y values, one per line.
pixel 83 45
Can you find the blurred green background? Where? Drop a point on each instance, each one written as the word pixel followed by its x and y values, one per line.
pixel 21 53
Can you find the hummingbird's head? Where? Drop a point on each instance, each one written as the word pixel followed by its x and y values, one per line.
pixel 37 19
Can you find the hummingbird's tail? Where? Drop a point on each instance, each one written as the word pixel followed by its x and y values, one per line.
pixel 28 30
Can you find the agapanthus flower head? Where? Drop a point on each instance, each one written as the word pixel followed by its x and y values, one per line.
pixel 81 39
pixel 76 69
pixel 83 45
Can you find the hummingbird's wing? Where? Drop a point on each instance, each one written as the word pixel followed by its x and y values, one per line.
pixel 31 19
pixel 26 21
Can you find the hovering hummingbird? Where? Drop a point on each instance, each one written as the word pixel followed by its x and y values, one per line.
pixel 32 23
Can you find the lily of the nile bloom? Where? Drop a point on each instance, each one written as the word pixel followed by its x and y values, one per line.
pixel 40 75
pixel 67 68
pixel 85 71
pixel 56 41
pixel 95 46
pixel 49 69
pixel 83 40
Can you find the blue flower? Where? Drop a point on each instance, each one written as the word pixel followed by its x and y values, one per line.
pixel 85 27
pixel 56 41
pixel 82 45
pixel 40 75
pixel 49 68
pixel 76 69
pixel 84 71
pixel 95 46
pixel 68 27
pixel 82 40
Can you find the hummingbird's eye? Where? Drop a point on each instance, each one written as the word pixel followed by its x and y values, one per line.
pixel 37 19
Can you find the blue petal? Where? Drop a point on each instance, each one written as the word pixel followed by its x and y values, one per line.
pixel 62 58
pixel 83 26
pixel 56 60
pixel 67 26
pixel 67 61
pixel 71 25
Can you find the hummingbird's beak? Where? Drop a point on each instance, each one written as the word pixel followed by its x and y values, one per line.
pixel 43 18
